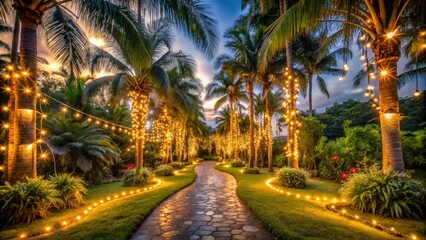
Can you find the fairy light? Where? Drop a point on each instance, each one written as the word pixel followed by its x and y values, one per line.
pixel 335 208
pixel 384 72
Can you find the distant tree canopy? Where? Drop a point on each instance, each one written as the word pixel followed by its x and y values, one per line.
pixel 360 113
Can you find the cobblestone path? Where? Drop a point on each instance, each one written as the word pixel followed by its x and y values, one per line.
pixel 208 209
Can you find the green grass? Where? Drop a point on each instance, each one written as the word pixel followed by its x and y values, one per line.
pixel 291 218
pixel 117 219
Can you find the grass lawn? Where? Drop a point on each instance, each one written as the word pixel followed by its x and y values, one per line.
pixel 292 218
pixel 117 219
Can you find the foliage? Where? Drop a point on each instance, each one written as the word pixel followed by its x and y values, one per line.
pixel 177 165
pixel 414 148
pixel 387 193
pixel 164 170
pixel 309 137
pixel 279 160
pixel 294 178
pixel 238 164
pixel 71 190
pixel 358 150
pixel 248 170
pixel 26 201
pixel 414 111
pixel 137 177
pixel 359 113
pixel 81 147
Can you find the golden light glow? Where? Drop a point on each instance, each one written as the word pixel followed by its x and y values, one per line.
pixel 416 93
pixel 340 78
pixel 390 34
pixel 384 72
pixel 47 229
pixel 98 42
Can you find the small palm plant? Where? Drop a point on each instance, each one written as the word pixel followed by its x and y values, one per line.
pixel 81 147
pixel 71 190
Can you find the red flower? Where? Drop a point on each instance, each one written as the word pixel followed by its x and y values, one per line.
pixel 353 170
pixel 335 158
pixel 130 166
pixel 345 176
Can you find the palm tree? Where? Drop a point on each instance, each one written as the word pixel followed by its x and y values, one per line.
pixel 384 22
pixel 245 46
pixel 80 146
pixel 312 52
pixel 103 16
pixel 228 89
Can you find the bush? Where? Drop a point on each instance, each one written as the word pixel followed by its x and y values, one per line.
pixel 26 201
pixel 251 170
pixel 294 178
pixel 238 164
pixel 414 148
pixel 164 170
pixel 279 160
pixel 177 165
pixel 387 193
pixel 71 190
pixel 137 177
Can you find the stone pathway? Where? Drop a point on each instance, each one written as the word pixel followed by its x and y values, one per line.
pixel 208 209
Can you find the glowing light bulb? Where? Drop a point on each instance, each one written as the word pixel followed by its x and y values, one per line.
pixel 47 229
pixel 390 34
pixel 384 72
pixel 417 93
pixel 340 78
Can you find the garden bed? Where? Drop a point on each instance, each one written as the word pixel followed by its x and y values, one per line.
pixel 291 217
pixel 117 219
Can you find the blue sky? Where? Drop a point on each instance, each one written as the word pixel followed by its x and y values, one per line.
pixel 226 11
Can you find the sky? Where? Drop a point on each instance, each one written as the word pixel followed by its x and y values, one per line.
pixel 227 11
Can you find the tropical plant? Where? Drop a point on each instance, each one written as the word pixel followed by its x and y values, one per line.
pixel 70 190
pixel 294 178
pixel 248 170
pixel 103 16
pixel 414 146
pixel 387 193
pixel 80 146
pixel 177 165
pixel 315 54
pixel 384 23
pixel 26 201
pixel 238 164
pixel 137 177
pixel 309 137
pixel 164 170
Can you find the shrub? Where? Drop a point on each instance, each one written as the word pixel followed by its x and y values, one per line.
pixel 71 190
pixel 26 201
pixel 414 148
pixel 137 177
pixel 387 193
pixel 294 178
pixel 251 170
pixel 279 160
pixel 177 165
pixel 238 164
pixel 164 170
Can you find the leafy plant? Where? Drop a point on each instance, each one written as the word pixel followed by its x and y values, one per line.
pixel 26 201
pixel 137 177
pixel 387 193
pixel 294 178
pixel 279 160
pixel 164 170
pixel 414 148
pixel 238 164
pixel 71 190
pixel 177 165
pixel 248 170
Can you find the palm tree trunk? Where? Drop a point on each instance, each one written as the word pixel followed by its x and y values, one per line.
pixel 387 53
pixel 23 164
pixel 310 95
pixel 251 129
pixel 269 132
pixel 139 118
pixel 231 128
pixel 12 135
pixel 291 119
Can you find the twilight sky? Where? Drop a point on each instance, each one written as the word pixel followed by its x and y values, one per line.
pixel 226 11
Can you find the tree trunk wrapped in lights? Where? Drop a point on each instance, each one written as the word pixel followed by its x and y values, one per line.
pixel 387 53
pixel 251 153
pixel 22 161
pixel 139 118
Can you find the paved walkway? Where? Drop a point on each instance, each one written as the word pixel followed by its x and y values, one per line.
pixel 208 209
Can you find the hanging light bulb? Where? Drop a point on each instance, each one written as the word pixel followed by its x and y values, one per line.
pixel 417 93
